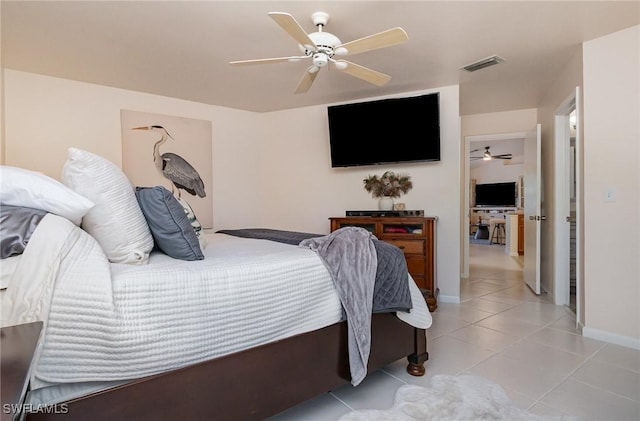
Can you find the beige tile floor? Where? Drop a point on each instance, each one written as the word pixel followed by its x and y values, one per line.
pixel 504 332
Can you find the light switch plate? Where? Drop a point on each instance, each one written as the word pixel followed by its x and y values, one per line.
pixel 609 195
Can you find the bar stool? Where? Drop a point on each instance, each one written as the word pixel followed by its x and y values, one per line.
pixel 498 234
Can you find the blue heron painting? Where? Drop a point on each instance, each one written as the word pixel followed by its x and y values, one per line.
pixel 174 167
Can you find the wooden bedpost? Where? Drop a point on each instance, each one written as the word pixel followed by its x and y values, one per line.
pixel 420 355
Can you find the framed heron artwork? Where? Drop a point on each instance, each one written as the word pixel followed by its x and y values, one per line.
pixel 173 152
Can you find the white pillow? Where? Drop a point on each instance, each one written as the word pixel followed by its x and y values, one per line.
pixel 116 221
pixel 21 187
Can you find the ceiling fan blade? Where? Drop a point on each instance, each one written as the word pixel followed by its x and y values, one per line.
pixel 364 73
pixel 383 39
pixel 293 28
pixel 501 156
pixel 305 83
pixel 267 60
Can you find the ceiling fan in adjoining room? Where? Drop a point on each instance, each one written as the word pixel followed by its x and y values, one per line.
pixel 321 47
pixel 488 156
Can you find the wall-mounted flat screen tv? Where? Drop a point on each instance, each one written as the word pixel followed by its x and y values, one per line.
pixel 496 194
pixel 385 131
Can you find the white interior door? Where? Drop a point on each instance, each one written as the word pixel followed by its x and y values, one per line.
pixel 568 282
pixel 532 207
pixel 580 298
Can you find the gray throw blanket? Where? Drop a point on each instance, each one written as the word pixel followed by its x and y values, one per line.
pixel 288 237
pixel 350 257
pixel 391 290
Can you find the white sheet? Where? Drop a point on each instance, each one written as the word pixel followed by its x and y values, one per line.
pixel 114 322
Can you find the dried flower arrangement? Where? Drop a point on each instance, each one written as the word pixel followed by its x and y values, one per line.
pixel 389 184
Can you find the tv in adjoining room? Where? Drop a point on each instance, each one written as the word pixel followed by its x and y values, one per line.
pixel 496 194
pixel 385 131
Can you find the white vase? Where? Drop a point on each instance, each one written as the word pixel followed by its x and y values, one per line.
pixel 385 203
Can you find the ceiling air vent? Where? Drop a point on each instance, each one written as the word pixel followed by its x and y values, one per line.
pixel 481 64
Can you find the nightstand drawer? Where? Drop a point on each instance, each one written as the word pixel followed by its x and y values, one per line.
pixel 409 246
pixel 416 266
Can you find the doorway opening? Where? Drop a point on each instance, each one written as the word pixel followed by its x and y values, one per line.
pixel 524 219
pixel 491 232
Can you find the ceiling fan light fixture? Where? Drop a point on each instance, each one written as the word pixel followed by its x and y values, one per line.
pixel 320 60
pixel 341 51
pixel 321 46
pixel 485 62
pixel 486 155
pixel 325 40
pixel 341 65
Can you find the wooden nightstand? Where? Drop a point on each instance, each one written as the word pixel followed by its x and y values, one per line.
pixel 415 236
pixel 18 345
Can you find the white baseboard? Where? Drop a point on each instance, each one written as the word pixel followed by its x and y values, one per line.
pixel 448 299
pixel 613 338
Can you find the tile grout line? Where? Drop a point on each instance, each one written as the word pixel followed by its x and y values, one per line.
pixel 574 371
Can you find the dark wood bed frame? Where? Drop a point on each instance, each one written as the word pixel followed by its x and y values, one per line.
pixel 252 384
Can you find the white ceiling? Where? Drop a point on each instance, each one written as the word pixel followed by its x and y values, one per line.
pixel 181 49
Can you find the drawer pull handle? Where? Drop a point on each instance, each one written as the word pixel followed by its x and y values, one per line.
pixel 401 247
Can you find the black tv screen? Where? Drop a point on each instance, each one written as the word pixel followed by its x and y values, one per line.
pixel 385 131
pixel 496 194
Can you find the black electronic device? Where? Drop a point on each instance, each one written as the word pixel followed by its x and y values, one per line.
pixel 385 131
pixel 385 213
pixel 496 194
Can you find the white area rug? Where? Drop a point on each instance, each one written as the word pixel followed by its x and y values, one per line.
pixel 452 398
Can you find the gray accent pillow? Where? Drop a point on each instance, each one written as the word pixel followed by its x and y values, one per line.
pixel 17 223
pixel 168 222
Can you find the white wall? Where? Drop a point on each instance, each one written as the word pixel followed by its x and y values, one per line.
pixel 612 161
pixel 503 122
pixel 496 171
pixel 44 116
pixel 270 170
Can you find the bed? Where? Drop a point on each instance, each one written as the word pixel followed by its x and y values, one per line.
pixel 245 329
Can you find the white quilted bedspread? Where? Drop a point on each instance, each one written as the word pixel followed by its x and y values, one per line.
pixel 116 321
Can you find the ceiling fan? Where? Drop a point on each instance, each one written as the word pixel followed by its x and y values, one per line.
pixel 321 47
pixel 487 155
